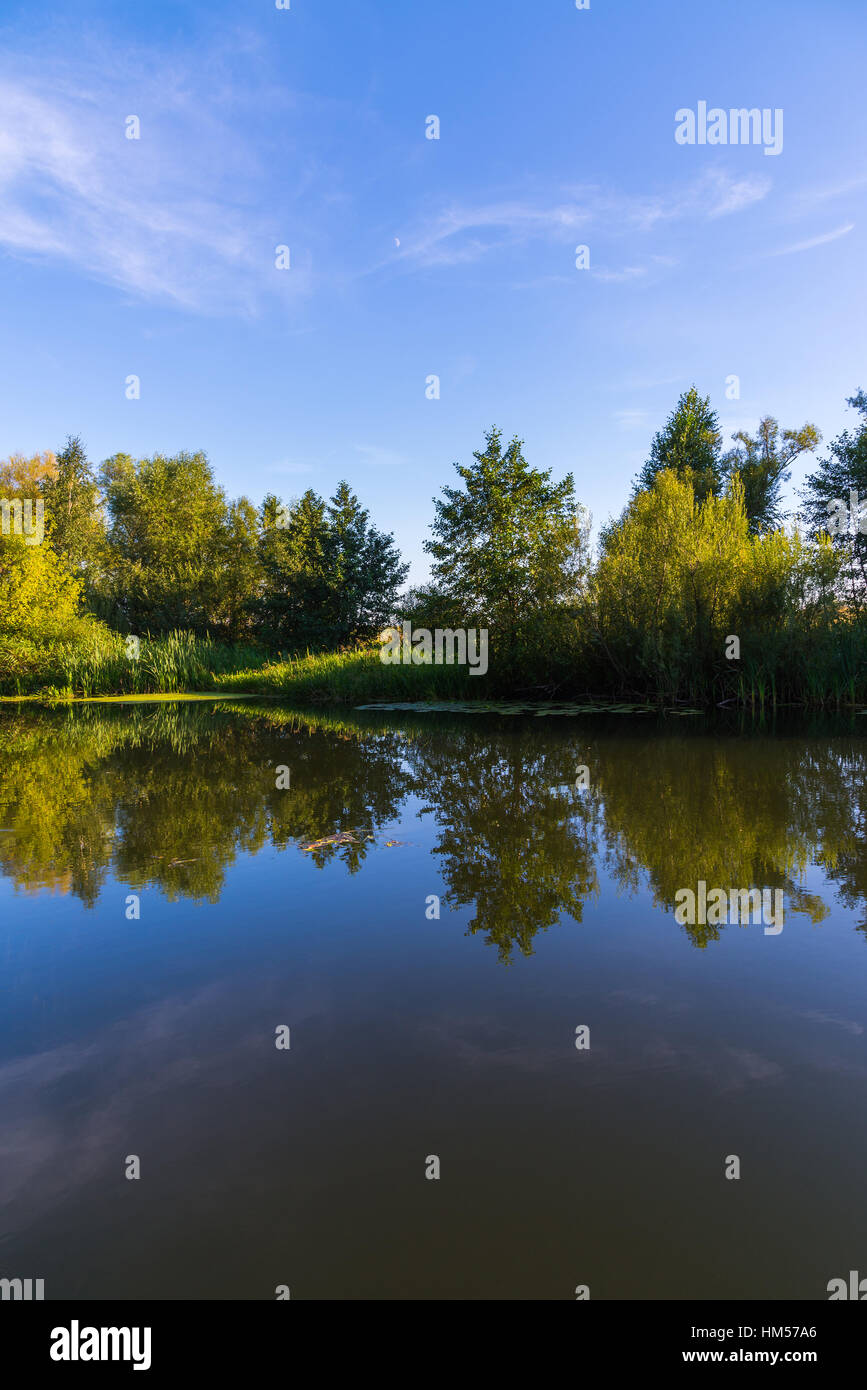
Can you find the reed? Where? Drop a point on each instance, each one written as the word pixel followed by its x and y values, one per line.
pixel 96 662
pixel 816 667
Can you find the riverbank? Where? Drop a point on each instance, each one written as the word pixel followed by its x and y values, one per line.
pixel 101 664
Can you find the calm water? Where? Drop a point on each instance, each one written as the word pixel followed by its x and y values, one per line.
pixel 413 1036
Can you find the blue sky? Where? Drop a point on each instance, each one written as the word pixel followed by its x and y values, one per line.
pixel 262 127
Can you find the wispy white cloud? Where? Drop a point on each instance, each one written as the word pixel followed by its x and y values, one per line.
pixel 649 272
pixel 540 282
pixel 646 383
pixel 728 195
pixel 810 198
pixel 815 241
pixel 461 233
pixel 715 193
pixel 162 217
pixel 186 215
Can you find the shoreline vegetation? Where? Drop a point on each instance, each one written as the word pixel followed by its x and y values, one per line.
pixel 144 580
pixel 181 667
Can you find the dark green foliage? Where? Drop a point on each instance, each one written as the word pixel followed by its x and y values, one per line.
pixel 689 444
pixel 697 555
pixel 292 611
pixel 330 578
pixel 835 501
pixel 762 463
pixel 365 568
pixel 173 545
pixel 509 552
pixel 74 521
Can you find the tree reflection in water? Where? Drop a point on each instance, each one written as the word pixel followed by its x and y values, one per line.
pixel 169 795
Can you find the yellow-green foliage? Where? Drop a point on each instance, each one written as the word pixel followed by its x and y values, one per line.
pixel 677 578
pixel 38 597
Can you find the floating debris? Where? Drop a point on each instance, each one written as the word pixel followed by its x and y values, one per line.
pixel 347 837
pixel 344 837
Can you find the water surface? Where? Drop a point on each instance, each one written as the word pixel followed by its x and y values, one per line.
pixel 414 1035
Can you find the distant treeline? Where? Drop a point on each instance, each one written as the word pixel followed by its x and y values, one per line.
pixel 154 545
pixel 703 552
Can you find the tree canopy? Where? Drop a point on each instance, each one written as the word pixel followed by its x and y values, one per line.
pixel 689 444
pixel 761 463
pixel 510 543
pixel 835 503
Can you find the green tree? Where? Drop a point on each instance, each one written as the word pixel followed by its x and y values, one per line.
pixel 689 444
pixel 676 577
pixel 294 555
pixel 762 464
pixel 365 569
pixel 99 790
pixel 23 477
pixel 238 576
pixel 835 503
pixel 751 810
pixel 514 847
pixel 510 545
pixel 73 516
pixel 173 543
pixel 330 577
pixel 39 598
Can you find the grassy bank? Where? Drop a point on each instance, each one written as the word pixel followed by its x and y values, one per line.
pixel 358 677
pixel 96 662
pixel 824 669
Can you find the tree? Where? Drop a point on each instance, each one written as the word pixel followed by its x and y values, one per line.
pixel 365 568
pixel 511 544
pixel 172 542
pixel 237 572
pixel 835 503
pixel 513 847
pixel 689 444
pixel 762 464
pixel 22 477
pixel 39 599
pixel 676 577
pixel 74 520
pixel 330 577
pixel 293 552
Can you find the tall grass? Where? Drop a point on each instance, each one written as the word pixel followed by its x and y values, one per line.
pixel 825 667
pixel 96 662
pixel 355 677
